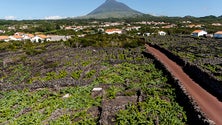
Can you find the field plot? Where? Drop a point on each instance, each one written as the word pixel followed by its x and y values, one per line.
pixel 205 53
pixel 54 86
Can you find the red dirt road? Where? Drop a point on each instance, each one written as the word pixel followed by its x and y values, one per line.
pixel 209 104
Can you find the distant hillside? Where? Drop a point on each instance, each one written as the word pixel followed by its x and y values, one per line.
pixel 113 9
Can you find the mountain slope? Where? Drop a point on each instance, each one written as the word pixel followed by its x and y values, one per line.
pixel 113 9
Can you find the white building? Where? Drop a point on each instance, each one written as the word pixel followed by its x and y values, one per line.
pixel 198 33
pixel 39 38
pixel 114 31
pixel 216 24
pixel 100 30
pixel 28 36
pixel 19 34
pixel 162 33
pixel 133 28
pixel 146 34
pixel 4 38
pixel 15 38
pixel 57 38
pixel 218 35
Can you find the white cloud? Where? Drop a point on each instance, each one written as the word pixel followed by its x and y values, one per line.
pixel 54 17
pixel 10 17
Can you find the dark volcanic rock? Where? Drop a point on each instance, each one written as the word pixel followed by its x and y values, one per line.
pixel 111 107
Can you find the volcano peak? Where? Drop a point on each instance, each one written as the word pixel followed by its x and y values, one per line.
pixel 113 9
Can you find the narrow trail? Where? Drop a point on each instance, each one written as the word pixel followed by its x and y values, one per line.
pixel 209 104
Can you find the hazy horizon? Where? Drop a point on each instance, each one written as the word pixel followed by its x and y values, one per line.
pixel 57 9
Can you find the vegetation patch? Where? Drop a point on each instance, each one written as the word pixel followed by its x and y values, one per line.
pixel 133 89
pixel 205 53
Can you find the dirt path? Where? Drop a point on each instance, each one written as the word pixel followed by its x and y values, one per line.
pixel 207 102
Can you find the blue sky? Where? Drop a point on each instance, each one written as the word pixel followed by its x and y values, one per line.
pixel 41 9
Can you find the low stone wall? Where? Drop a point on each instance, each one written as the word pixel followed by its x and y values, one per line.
pixel 170 55
pixel 194 114
pixel 204 79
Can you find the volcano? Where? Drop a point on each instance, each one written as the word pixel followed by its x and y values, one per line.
pixel 113 9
